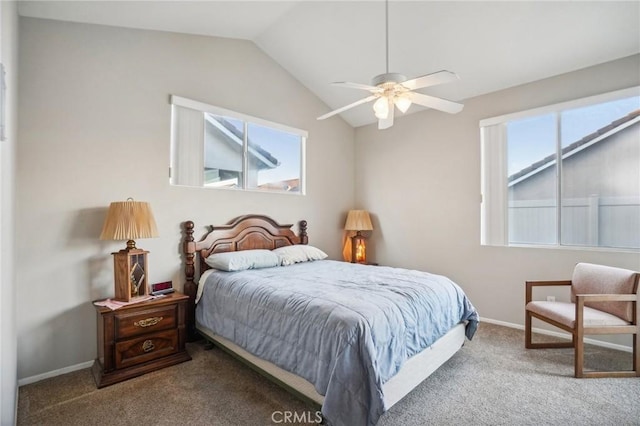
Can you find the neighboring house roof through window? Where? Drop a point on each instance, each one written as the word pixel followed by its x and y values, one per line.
pixel 234 137
pixel 602 134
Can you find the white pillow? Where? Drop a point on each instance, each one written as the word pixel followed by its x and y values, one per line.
pixel 298 253
pixel 241 260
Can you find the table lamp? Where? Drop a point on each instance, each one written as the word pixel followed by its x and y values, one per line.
pixel 358 220
pixel 129 220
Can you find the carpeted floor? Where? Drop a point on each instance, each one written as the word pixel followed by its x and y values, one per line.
pixel 492 380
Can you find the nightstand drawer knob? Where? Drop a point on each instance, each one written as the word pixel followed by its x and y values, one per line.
pixel 148 346
pixel 148 322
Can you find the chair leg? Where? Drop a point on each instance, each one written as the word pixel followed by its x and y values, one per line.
pixel 636 354
pixel 578 339
pixel 527 330
pixel 528 336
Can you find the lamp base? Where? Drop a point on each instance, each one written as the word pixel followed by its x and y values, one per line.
pixel 358 248
pixel 130 274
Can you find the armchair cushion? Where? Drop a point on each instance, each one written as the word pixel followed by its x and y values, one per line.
pixel 565 313
pixel 598 279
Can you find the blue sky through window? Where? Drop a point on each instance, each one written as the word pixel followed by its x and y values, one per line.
pixel 286 147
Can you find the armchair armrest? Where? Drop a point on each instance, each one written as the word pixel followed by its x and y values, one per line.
pixel 531 284
pixel 606 298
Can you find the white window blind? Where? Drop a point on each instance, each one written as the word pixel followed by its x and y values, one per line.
pixel 494 185
pixel 187 150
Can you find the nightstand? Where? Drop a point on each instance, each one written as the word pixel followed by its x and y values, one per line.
pixel 140 338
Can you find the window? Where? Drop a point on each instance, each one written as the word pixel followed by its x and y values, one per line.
pixel 216 148
pixel 564 175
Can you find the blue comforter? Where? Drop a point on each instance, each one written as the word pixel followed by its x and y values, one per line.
pixel 346 328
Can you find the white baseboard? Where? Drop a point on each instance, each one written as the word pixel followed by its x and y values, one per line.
pixel 54 373
pixel 559 334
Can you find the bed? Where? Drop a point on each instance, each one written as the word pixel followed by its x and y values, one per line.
pixel 350 339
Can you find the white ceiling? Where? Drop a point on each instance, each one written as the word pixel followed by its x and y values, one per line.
pixel 490 45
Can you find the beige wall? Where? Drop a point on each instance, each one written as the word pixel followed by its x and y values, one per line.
pixel 94 128
pixel 421 181
pixel 8 341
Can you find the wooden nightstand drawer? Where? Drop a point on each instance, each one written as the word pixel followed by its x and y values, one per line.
pixel 146 348
pixel 130 324
pixel 140 338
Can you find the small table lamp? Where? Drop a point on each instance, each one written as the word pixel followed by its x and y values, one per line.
pixel 358 220
pixel 129 220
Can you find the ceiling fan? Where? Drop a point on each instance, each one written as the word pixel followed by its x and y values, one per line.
pixel 390 90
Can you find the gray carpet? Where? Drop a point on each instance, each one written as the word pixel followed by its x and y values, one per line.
pixel 492 380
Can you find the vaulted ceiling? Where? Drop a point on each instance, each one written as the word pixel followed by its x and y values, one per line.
pixel 490 45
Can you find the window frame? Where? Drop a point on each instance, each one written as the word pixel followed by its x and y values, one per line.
pixel 494 192
pixel 178 101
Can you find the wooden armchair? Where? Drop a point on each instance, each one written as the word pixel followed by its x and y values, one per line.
pixel 604 301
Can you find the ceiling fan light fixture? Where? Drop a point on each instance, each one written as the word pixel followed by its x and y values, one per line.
pixel 403 103
pixel 381 107
pixel 391 90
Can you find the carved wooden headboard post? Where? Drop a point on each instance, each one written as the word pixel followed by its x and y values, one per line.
pixel 303 232
pixel 190 287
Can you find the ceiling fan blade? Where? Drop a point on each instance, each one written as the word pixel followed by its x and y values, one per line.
pixel 385 123
pixel 435 103
pixel 360 86
pixel 431 80
pixel 346 107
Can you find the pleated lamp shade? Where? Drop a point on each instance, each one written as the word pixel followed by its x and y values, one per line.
pixel 358 220
pixel 129 220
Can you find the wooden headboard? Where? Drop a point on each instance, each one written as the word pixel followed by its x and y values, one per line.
pixel 242 233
